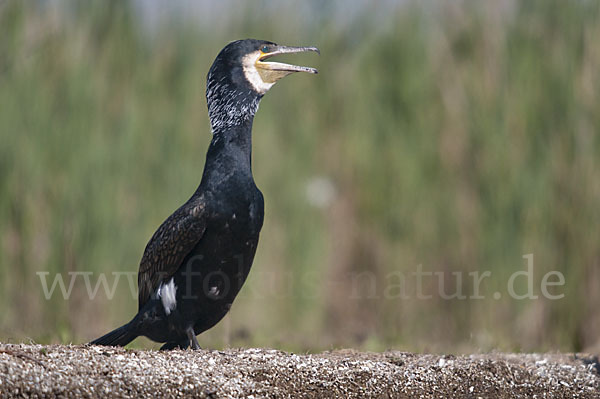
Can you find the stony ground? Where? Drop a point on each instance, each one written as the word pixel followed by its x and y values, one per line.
pixel 92 371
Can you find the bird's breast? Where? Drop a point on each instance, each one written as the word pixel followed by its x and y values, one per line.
pixel 238 212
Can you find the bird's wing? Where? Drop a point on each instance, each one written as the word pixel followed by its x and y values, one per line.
pixel 169 246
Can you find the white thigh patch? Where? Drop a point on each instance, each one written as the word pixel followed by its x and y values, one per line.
pixel 166 292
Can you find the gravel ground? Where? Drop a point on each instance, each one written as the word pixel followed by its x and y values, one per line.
pixel 92 371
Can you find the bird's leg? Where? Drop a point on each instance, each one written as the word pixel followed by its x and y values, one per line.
pixel 192 337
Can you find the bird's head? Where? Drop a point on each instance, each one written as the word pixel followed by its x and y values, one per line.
pixel 241 75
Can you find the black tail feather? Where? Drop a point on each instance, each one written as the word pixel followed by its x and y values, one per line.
pixel 118 337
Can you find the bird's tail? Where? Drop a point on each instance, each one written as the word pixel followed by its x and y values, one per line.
pixel 118 337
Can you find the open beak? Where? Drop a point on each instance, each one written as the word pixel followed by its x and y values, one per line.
pixel 271 72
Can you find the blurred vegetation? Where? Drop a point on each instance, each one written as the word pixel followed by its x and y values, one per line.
pixel 454 135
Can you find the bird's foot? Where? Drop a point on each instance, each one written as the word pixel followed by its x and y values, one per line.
pixel 183 344
pixel 173 345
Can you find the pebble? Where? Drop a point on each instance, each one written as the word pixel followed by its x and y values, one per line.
pixel 88 371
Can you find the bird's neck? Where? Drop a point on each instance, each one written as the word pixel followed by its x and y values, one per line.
pixel 230 152
pixel 231 114
pixel 230 108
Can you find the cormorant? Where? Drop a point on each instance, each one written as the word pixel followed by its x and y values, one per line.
pixel 196 262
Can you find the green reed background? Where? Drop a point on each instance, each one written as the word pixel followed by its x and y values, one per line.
pixel 454 135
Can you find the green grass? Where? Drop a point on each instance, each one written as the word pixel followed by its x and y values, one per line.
pixel 456 137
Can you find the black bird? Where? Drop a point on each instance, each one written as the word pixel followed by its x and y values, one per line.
pixel 196 262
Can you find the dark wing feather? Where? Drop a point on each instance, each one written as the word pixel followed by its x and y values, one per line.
pixel 169 246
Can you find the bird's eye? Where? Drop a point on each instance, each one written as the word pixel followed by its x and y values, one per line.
pixel 265 49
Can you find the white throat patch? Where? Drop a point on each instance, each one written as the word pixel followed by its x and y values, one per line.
pixel 252 75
